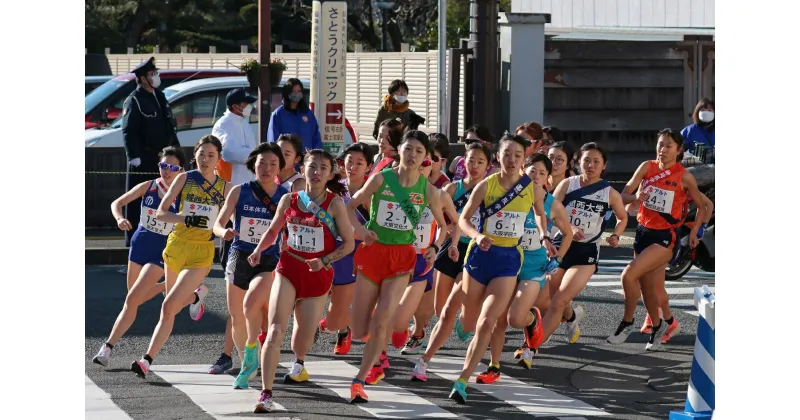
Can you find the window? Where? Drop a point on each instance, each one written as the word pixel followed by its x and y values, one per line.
pixel 195 111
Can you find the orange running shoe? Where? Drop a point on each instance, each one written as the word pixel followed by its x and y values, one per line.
pixel 673 329
pixel 490 376
pixel 357 394
pixel 375 375
pixel 534 333
pixel 647 327
pixel 399 339
pixel 343 342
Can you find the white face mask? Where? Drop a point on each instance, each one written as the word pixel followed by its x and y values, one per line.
pixel 246 111
pixel 156 81
pixel 706 116
pixel 400 99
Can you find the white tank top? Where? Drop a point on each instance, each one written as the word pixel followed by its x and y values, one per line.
pixel 288 183
pixel 587 212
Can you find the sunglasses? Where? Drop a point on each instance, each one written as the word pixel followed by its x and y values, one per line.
pixel 172 168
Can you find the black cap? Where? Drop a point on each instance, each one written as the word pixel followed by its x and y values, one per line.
pixel 145 67
pixel 238 96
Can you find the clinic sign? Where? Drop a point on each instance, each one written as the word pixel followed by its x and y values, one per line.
pixel 328 72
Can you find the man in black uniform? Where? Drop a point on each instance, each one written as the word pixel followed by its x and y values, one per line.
pixel 147 128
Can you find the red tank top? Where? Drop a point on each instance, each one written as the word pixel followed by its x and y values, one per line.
pixel 308 236
pixel 665 208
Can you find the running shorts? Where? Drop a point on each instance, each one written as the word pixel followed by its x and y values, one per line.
pixel 423 272
pixel 379 262
pixel 240 273
pixel 498 261
pixel 181 255
pixel 533 268
pixel 447 266
pixel 147 247
pixel 646 237
pixel 306 284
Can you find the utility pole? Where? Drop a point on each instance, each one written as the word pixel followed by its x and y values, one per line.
pixel 264 88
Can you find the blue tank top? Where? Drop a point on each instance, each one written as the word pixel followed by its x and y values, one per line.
pixel 476 218
pixel 531 240
pixel 252 219
pixel 150 203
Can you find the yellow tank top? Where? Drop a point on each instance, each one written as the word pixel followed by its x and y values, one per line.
pixel 194 200
pixel 507 226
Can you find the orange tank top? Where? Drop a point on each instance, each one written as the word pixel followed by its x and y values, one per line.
pixel 665 207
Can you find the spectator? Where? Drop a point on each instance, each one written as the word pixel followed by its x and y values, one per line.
pixel 147 128
pixel 701 131
pixel 439 156
pixel 237 137
pixel 395 105
pixel 294 117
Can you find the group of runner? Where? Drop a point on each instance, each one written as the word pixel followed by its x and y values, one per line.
pixel 511 240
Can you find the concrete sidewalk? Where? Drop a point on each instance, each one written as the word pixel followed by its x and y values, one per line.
pixel 107 247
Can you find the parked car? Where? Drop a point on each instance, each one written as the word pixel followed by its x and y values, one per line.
pixel 196 106
pixel 104 104
pixel 93 82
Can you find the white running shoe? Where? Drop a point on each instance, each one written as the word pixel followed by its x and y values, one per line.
pixel 655 337
pixel 103 355
pixel 420 372
pixel 622 333
pixel 196 310
pixel 573 328
pixel 140 367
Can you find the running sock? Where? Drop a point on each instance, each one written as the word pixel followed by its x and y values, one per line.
pixel 300 362
pixel 344 333
pixel 109 345
pixel 148 358
pixel 268 392
pixel 572 319
pixel 462 381
pixel 251 345
pixel 196 298
pixel 670 320
pixel 496 366
pixel 359 381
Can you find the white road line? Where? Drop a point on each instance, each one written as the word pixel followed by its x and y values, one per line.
pixel 99 405
pixel 534 400
pixel 385 401
pixel 672 290
pixel 212 393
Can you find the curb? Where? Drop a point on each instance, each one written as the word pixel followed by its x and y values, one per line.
pixel 119 255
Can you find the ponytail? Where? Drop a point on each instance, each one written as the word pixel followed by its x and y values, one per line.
pixel 336 185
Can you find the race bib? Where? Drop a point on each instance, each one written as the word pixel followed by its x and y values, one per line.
pixel 148 219
pixel 251 229
pixel 588 221
pixel 475 220
pixel 530 240
pixel 391 216
pixel 197 209
pixel 506 224
pixel 659 200
pixel 306 238
pixel 424 230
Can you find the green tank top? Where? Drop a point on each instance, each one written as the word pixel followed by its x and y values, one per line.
pixel 386 217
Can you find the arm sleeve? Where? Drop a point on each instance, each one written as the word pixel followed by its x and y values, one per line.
pixel 274 129
pixel 131 121
pixel 232 151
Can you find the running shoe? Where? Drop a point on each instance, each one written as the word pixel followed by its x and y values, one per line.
pixel 534 333
pixel 621 334
pixel 262 337
pixel 343 342
pixel 490 376
pixel 518 352
pixel 140 367
pixel 399 339
pixel 526 358
pixel 672 330
pixel 420 372
pixel 197 309
pixel 297 375
pixel 222 364
pixel 323 324
pixel 249 368
pixel 384 361
pixel 265 404
pixel 647 327
pixel 357 394
pixel 414 344
pixel 462 335
pixel 655 337
pixel 459 393
pixel 375 375
pixel 573 328
pixel 103 355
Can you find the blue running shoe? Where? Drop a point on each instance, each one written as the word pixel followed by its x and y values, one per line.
pixel 249 368
pixel 459 393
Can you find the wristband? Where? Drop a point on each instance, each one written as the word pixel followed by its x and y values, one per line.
pixel 541 241
pixel 435 248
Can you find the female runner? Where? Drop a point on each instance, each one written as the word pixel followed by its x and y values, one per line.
pixel 189 252
pixel 494 257
pixel 292 148
pixel 145 264
pixel 664 188
pixel 357 162
pixel 314 218
pixel 560 154
pixel 385 261
pixel 253 205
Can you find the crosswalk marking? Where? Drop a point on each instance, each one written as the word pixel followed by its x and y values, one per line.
pixel 672 291
pixel 385 401
pixel 99 405
pixel 213 393
pixel 534 400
